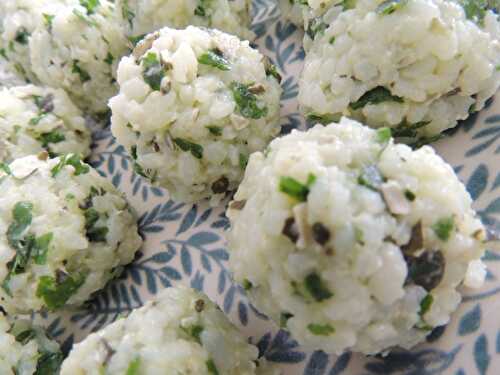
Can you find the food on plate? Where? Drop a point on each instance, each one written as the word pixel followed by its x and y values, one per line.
pixel 65 231
pixel 77 48
pixel 140 17
pixel 180 332
pixel 415 66
pixel 352 242
pixel 193 104
pixel 35 119
pixel 26 350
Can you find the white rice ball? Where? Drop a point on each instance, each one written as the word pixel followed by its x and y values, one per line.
pixel 65 231
pixel 79 50
pixel 193 104
pixel 354 242
pixel 35 119
pixel 26 349
pixel 140 17
pixel 180 332
pixel 303 12
pixel 416 66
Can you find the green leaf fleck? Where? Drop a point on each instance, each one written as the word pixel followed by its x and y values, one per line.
pixel 247 284
pixel 47 19
pixel 153 71
pixel 22 36
pixel 316 26
pixel 426 304
pixel 320 329
pixel 383 135
pixel 56 293
pixel 443 228
pixel 371 177
pixel 109 59
pixel 410 195
pixel 90 5
pixel 212 369
pixel 296 189
pixel 243 161
pixel 54 136
pixel 4 167
pixel 284 317
pixel 377 95
pixel 83 74
pixel 390 6
pixel 185 145
pixel 134 367
pixel 247 102
pixel 41 248
pixel 216 59
pixel 215 130
pixel 73 160
pixel 324 119
pixel 316 287
pixel 194 332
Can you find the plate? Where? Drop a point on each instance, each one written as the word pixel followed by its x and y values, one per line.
pixel 184 244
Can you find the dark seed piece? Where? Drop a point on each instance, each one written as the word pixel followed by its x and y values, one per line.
pixel 290 230
pixel 199 305
pixel 220 186
pixel 237 205
pixel 427 270
pixel 320 233
pixel 416 240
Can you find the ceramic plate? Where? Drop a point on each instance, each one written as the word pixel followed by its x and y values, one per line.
pixel 185 244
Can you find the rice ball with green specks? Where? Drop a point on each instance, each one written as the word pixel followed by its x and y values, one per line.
pixel 180 332
pixel 65 231
pixel 140 17
pixel 416 66
pixel 193 105
pixel 26 349
pixel 352 242
pixel 35 119
pixel 79 50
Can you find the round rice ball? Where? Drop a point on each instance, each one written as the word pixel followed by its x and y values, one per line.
pixel 193 104
pixel 78 50
pixel 65 231
pixel 303 13
pixel 35 119
pixel 353 242
pixel 415 66
pixel 180 332
pixel 26 350
pixel 140 17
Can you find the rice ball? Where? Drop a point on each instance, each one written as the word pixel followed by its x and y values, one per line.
pixel 35 119
pixel 140 17
pixel 65 231
pixel 78 50
pixel 26 349
pixel 415 66
pixel 353 242
pixel 193 104
pixel 180 332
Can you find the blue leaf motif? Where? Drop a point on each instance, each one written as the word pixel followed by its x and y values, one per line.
pixel 229 299
pixel 151 281
pixel 171 273
pixel 341 364
pixel 317 364
pixel 243 313
pixel 205 262
pixel 498 342
pixel 478 181
pixel 203 238
pixel 188 220
pixel 187 264
pixel 470 322
pixel 198 281
pixel 221 284
pixel 481 356
pixel 460 372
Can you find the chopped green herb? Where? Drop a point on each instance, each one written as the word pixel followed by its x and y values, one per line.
pixel 443 228
pixel 216 59
pixel 73 160
pixel 47 19
pixel 408 130
pixel 247 284
pixel 472 108
pixel 4 167
pixel 212 369
pixel 128 14
pixel 84 18
pixel 383 135
pixel 358 235
pixel 371 177
pixel 246 101
pixel 26 336
pixel 331 40
pixel 41 248
pixel 91 217
pixel 323 119
pixel 284 317
pixel 83 74
pixel 54 136
pixel 185 145
pixel 215 130
pixel 194 331
pixel 316 287
pixel 22 36
pixel 475 10
pixel 422 141
pixel 320 329
pixel 3 54
pixel 36 120
pixel 497 68
pixel 153 72
pixel 109 59
pixel 377 95
pixel 390 6
pixel 272 71
pixel 296 189
pixel 410 195
pixel 134 367
pixel 56 293
pixel 90 5
pixel 316 26
pixel 348 4
pixel 45 103
pixel 49 363
pixel 243 161
pixel 136 39
pixel 201 9
pixel 22 216
pixel 425 304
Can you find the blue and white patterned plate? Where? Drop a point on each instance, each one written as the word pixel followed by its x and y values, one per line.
pixel 185 244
